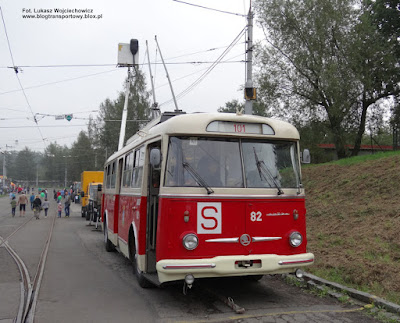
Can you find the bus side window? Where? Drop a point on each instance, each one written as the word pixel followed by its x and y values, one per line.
pixel 138 163
pixel 108 176
pixel 113 174
pixel 128 168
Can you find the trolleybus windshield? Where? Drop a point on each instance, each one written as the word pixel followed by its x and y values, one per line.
pixel 217 162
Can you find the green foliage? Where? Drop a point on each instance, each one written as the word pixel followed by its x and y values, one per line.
pixel 62 164
pixel 24 165
pixel 107 128
pixel 360 159
pixel 385 16
pixel 55 162
pixel 234 106
pixel 325 61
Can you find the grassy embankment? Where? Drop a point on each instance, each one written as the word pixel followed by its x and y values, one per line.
pixel 353 219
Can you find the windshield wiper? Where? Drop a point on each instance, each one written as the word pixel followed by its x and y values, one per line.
pixel 263 169
pixel 196 176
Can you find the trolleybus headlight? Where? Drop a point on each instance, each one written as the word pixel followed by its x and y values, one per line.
pixel 295 239
pixel 190 241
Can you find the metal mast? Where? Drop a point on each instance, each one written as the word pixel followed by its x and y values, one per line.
pixel 155 111
pixel 125 111
pixel 134 48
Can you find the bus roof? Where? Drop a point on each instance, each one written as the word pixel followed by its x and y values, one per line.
pixel 212 124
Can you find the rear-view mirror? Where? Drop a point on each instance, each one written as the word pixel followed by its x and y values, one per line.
pixel 306 157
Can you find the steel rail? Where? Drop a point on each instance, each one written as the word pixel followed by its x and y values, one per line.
pixel 26 286
pixel 38 276
pixel 29 289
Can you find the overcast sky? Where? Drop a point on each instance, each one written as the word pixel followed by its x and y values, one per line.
pixel 42 47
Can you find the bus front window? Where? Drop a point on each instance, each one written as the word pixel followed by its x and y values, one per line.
pixel 216 162
pixel 271 164
pixel 212 162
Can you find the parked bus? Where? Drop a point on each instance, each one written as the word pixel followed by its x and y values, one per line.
pixel 207 195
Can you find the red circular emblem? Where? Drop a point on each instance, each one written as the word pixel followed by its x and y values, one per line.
pixel 245 239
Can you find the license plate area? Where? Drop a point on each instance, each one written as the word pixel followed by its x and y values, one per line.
pixel 243 264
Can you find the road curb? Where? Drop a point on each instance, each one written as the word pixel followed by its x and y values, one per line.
pixel 361 296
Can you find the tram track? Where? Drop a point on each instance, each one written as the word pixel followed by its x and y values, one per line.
pixel 29 288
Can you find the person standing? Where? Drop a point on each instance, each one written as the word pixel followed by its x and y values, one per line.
pixel 37 205
pixel 67 203
pixel 22 201
pixel 45 206
pixel 13 206
pixel 31 199
pixel 59 209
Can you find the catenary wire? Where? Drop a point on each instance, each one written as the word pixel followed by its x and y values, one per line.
pixel 222 11
pixel 57 82
pixel 208 71
pixel 16 74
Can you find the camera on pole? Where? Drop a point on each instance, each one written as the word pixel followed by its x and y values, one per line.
pixel 250 93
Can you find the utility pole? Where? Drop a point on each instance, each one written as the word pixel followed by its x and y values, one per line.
pixel 250 92
pixel 65 180
pixel 125 111
pixel 4 164
pixel 155 111
pixel 4 170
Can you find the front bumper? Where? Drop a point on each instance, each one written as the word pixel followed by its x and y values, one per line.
pixel 224 266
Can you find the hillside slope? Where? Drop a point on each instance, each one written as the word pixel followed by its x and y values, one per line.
pixel 353 219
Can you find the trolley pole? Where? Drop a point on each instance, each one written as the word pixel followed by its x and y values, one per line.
pixel 250 94
pixel 169 80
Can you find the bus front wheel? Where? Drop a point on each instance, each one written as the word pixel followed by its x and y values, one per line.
pixel 143 282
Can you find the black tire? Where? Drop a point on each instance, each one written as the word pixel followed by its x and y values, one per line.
pixel 83 212
pixel 88 214
pixel 107 243
pixel 143 282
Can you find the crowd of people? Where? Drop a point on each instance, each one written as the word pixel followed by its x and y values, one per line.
pixel 39 202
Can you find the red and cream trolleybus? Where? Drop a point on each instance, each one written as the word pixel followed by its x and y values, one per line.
pixel 207 195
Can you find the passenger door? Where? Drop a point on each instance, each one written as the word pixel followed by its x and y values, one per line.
pixel 153 182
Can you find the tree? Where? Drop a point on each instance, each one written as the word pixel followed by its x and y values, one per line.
pixel 234 106
pixel 55 163
pixel 109 121
pixel 83 157
pixel 385 16
pixel 324 61
pixel 26 165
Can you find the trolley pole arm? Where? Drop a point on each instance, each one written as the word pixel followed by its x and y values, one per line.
pixel 169 80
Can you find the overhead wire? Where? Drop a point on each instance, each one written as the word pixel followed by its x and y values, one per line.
pixel 214 64
pixel 50 126
pixel 210 68
pixel 196 72
pixel 16 74
pixel 57 82
pixel 222 11
pixel 219 59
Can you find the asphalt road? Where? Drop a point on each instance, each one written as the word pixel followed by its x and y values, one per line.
pixel 84 283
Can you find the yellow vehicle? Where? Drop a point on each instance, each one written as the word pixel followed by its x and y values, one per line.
pixel 89 178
